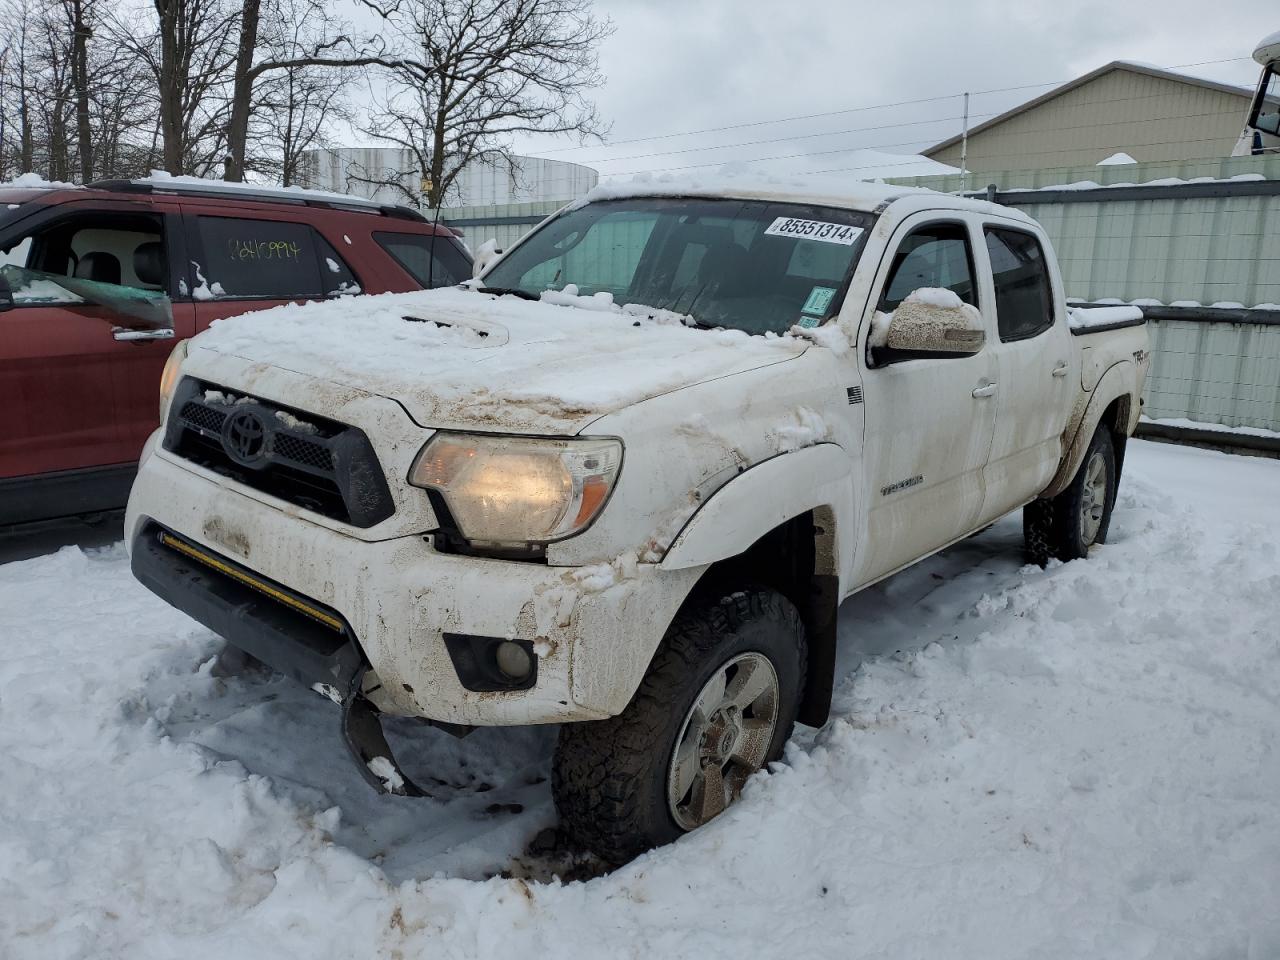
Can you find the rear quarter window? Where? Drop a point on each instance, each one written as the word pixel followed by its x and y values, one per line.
pixel 432 262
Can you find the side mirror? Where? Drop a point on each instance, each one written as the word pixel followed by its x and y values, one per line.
pixel 933 322
pixel 486 254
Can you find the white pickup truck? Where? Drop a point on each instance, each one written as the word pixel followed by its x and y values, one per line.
pixel 623 480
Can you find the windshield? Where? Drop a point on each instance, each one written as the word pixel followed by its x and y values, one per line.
pixel 744 264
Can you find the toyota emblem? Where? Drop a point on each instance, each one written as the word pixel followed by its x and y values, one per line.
pixel 244 437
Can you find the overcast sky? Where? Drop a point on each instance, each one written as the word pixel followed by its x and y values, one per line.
pixel 678 65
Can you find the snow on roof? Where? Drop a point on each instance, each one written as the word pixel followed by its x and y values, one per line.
pixel 33 181
pixel 813 188
pixel 1115 159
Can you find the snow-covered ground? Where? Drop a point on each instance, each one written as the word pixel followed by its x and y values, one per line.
pixel 1072 763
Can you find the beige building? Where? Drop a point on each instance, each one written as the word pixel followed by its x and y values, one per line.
pixel 1145 112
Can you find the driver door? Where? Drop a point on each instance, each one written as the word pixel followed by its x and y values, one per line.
pixel 929 419
pixel 77 391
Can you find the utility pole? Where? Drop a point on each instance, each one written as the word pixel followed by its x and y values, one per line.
pixel 964 147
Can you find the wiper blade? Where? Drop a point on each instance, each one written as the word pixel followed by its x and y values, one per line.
pixel 508 291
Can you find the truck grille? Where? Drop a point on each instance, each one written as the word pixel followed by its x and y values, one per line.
pixel 320 465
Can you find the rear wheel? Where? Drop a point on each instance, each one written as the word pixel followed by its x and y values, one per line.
pixel 1067 525
pixel 717 704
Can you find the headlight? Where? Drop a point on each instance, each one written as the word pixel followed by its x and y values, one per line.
pixel 169 376
pixel 518 490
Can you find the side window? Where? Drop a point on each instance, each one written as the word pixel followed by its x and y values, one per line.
pixel 937 255
pixel 335 275
pixel 270 259
pixel 432 264
pixel 1024 300
pixel 104 259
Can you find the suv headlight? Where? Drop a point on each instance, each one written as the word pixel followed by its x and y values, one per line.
pixel 518 490
pixel 169 376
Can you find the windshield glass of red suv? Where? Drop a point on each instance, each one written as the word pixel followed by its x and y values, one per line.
pixel 742 264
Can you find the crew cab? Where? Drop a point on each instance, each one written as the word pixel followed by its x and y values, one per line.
pixel 97 282
pixel 623 479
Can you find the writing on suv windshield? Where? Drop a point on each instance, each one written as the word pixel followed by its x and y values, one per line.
pixel 743 264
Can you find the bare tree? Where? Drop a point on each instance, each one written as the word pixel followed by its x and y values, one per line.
pixel 301 36
pixel 464 76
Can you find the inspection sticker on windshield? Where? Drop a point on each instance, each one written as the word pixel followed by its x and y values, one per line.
pixel 814 230
pixel 819 299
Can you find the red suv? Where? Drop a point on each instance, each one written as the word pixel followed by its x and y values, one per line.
pixel 98 283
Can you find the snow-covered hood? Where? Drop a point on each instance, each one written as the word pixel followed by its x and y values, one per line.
pixel 469 360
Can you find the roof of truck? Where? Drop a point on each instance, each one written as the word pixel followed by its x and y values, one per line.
pixel 823 191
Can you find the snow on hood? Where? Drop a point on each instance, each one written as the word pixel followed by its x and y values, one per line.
pixel 473 360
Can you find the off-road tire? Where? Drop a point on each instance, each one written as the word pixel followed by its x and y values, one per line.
pixel 1055 527
pixel 610 776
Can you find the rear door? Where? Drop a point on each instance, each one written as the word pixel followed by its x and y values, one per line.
pixel 929 419
pixel 79 379
pixel 241 262
pixel 1032 352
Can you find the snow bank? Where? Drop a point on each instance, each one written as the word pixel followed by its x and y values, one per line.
pixel 1068 763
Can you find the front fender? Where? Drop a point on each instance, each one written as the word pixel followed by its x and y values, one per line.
pixel 764 497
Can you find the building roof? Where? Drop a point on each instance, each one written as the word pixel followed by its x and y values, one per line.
pixel 1129 65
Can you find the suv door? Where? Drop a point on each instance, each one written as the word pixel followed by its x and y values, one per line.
pixel 241 262
pixel 82 348
pixel 929 419
pixel 1031 352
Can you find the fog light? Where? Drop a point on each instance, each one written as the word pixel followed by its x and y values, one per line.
pixel 513 660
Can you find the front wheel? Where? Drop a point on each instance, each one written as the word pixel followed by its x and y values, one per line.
pixel 1067 525
pixel 717 704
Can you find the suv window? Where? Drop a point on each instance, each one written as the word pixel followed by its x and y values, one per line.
pixel 270 259
pixel 1024 300
pixel 937 255
pixel 432 264
pixel 337 278
pixel 115 259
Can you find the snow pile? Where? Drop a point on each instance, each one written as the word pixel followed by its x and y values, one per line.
pixel 1077 762
pixel 1081 319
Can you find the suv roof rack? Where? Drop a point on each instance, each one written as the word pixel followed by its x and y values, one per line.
pixel 221 190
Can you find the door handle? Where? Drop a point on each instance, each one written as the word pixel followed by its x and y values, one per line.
pixel 1060 370
pixel 986 390
pixel 124 333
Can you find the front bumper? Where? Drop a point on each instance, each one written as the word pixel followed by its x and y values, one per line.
pixel 398 598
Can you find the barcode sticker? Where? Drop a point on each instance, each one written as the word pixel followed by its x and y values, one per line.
pixel 822 230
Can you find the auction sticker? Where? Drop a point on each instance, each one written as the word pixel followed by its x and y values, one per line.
pixel 822 230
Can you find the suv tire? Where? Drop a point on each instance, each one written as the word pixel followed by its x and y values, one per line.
pixel 1067 525
pixel 718 702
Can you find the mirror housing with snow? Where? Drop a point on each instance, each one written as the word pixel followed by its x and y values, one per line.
pixel 928 323
pixel 485 256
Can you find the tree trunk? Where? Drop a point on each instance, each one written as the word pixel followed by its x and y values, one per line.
pixel 80 83
pixel 242 92
pixel 171 83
